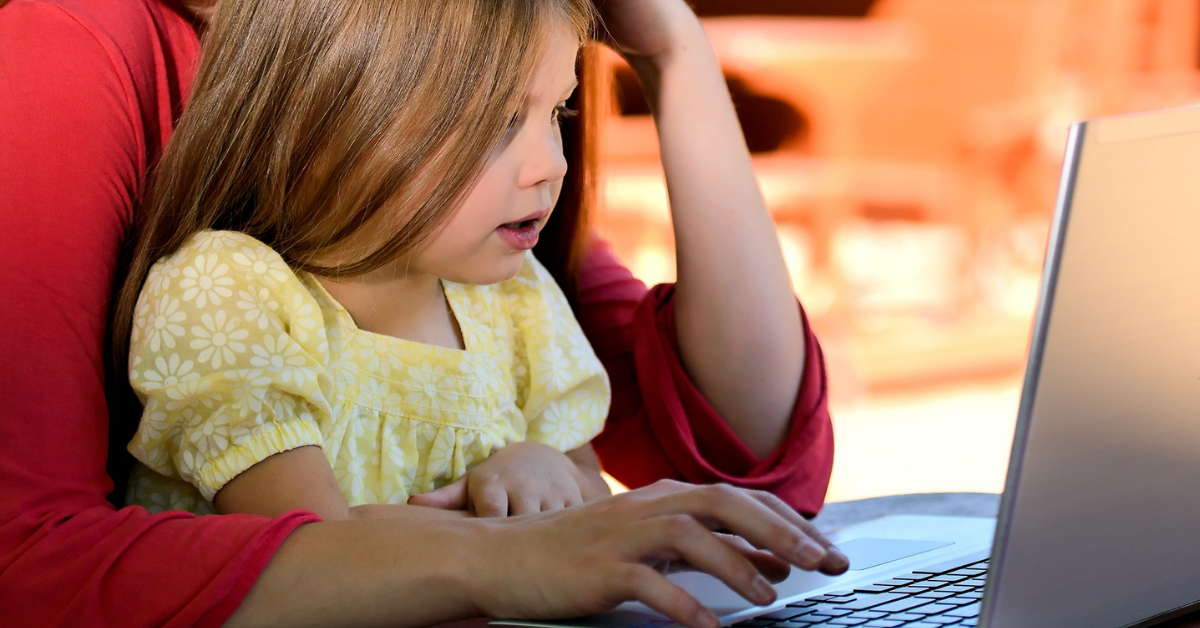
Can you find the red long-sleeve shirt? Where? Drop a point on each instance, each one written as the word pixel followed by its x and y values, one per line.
pixel 89 93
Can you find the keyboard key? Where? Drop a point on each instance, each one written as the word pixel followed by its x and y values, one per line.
pixel 868 614
pixel 827 610
pixel 752 623
pixel 958 600
pixel 936 595
pixel 894 582
pixel 923 624
pixel 873 588
pixel 974 595
pixel 943 619
pixel 966 611
pixel 782 614
pixel 906 617
pixel 882 623
pixel 846 621
pixel 804 604
pixel 902 605
pixel 863 601
pixel 909 590
pixel 931 609
pixel 946 577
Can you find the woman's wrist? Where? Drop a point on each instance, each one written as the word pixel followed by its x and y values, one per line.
pixel 684 43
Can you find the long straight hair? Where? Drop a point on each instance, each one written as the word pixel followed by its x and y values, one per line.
pixel 311 123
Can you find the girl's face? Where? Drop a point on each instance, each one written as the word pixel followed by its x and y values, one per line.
pixel 485 240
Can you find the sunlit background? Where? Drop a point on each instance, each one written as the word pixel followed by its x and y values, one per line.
pixel 909 151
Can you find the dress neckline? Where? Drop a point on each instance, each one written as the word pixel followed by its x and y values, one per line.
pixel 454 297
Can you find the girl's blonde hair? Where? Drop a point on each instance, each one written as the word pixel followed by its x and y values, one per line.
pixel 312 122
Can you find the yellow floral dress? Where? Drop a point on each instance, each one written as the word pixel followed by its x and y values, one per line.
pixel 237 357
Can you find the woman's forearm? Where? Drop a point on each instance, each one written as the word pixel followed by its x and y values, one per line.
pixel 367 572
pixel 739 330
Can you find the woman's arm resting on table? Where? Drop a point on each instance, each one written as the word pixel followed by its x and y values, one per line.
pixel 739 331
pixel 389 572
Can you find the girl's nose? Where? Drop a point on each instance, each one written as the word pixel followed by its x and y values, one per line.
pixel 544 162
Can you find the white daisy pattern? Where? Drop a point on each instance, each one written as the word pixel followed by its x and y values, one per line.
pixel 237 357
pixel 163 325
pixel 205 281
pixel 218 339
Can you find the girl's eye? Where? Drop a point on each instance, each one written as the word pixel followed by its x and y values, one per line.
pixel 563 112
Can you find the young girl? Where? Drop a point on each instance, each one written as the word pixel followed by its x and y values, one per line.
pixel 344 310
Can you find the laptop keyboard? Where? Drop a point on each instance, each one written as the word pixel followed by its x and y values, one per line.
pixel 946 594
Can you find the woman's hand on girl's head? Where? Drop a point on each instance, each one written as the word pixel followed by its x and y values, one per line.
pixel 646 29
pixel 589 559
pixel 522 478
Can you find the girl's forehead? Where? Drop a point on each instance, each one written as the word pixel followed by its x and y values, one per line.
pixel 554 74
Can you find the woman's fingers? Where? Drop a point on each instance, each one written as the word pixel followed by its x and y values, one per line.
pixel 645 585
pixel 702 549
pixel 768 564
pixel 835 561
pixel 720 506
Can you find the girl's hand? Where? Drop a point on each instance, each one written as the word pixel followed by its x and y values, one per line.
pixel 522 478
pixel 646 29
pixel 589 559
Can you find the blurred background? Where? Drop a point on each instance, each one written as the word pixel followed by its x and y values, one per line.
pixel 909 151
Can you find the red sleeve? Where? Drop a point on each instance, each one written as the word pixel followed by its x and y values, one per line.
pixel 71 158
pixel 661 426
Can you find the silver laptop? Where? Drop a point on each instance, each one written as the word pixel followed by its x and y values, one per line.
pixel 1099 525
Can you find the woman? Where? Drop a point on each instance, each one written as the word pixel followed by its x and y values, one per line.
pixel 89 92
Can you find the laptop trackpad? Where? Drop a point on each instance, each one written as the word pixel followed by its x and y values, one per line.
pixel 865 553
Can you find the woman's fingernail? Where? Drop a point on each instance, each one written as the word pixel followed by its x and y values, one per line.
pixel 764 593
pixel 706 619
pixel 810 552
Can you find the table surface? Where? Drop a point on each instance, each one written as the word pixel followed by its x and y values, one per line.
pixel 841 514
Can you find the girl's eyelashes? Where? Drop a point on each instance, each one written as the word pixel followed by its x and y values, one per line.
pixel 562 112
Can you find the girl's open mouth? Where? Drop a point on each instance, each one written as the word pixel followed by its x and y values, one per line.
pixel 521 235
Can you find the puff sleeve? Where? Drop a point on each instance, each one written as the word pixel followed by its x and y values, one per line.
pixel 229 356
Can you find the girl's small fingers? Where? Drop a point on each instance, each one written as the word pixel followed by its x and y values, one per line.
pixel 489 499
pixel 703 550
pixel 523 502
pixel 645 585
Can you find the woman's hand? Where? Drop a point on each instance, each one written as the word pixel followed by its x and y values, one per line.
pixel 646 29
pixel 522 478
pixel 590 559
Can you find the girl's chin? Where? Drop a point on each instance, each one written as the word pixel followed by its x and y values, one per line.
pixel 495 270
